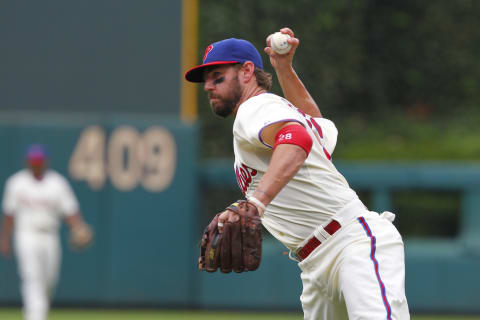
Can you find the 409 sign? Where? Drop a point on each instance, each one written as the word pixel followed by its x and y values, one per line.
pixel 129 158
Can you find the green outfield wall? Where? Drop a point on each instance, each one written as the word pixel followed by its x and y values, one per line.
pixel 139 183
pixel 135 178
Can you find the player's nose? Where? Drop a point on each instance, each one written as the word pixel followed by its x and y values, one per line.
pixel 208 85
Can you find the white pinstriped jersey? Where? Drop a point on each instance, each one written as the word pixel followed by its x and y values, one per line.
pixel 38 204
pixel 316 192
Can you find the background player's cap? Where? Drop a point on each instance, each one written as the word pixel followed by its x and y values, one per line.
pixel 227 51
pixel 36 153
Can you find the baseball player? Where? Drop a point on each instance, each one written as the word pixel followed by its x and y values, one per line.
pixel 352 259
pixel 35 200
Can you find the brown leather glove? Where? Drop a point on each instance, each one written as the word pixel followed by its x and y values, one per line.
pixel 238 247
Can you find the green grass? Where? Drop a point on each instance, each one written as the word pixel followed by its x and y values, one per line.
pixel 74 314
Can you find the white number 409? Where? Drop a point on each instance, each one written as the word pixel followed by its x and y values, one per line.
pixel 129 159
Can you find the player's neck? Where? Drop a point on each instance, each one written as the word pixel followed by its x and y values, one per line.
pixel 38 175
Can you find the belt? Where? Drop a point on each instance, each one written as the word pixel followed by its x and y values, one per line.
pixel 314 242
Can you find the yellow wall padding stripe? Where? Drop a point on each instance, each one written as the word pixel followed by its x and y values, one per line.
pixel 188 92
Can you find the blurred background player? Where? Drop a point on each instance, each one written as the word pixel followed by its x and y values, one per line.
pixel 35 201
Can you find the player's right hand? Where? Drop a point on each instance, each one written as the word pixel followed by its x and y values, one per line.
pixel 227 216
pixel 280 61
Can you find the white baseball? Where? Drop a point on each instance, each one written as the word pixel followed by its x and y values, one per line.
pixel 279 43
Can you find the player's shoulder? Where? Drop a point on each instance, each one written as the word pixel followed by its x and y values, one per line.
pixel 53 176
pixel 265 104
pixel 329 132
pixel 326 123
pixel 18 177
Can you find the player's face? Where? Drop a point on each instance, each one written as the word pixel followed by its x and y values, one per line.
pixel 37 167
pixel 224 89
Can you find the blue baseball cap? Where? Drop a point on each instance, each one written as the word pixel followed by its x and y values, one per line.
pixel 36 153
pixel 227 51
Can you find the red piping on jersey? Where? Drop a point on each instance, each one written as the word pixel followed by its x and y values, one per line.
pixel 317 126
pixel 327 154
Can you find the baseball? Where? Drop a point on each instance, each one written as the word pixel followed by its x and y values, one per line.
pixel 279 43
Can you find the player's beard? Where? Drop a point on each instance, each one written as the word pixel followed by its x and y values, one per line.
pixel 224 106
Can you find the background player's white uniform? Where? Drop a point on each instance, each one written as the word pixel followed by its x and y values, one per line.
pixel 38 207
pixel 362 264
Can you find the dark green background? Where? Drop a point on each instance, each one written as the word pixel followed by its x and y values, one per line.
pixel 400 78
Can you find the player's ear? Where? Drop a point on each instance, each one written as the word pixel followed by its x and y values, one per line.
pixel 247 71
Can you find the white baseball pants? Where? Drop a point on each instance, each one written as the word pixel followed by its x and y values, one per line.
pixel 357 273
pixel 38 257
